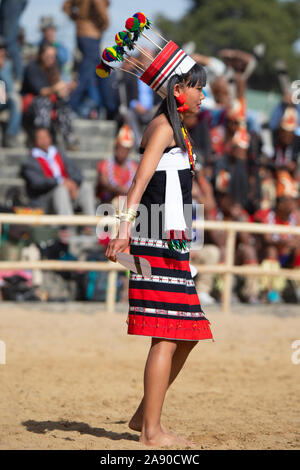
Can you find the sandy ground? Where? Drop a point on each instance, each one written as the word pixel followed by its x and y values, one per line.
pixel 73 378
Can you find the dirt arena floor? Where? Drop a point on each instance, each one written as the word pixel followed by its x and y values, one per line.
pixel 73 378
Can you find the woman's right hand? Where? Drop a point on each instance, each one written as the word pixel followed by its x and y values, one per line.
pixel 115 246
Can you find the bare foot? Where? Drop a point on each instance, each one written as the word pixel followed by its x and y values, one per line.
pixel 162 439
pixel 136 425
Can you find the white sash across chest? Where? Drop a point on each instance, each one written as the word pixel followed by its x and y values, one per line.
pixel 49 156
pixel 171 162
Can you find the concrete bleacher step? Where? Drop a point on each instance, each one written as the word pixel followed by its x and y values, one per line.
pixel 94 128
pixel 20 155
pixel 95 135
pixel 12 174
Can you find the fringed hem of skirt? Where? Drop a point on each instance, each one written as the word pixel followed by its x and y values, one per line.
pixel 176 329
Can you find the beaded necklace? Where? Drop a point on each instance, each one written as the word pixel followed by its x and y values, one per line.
pixel 192 156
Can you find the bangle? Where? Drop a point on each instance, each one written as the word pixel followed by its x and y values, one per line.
pixel 131 211
pixel 129 215
pixel 126 218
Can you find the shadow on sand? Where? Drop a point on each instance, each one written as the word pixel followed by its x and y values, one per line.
pixel 41 427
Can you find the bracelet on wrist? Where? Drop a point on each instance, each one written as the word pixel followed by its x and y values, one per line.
pixel 129 215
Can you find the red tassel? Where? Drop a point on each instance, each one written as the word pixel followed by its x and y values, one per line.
pixel 183 108
pixel 181 99
pixel 177 235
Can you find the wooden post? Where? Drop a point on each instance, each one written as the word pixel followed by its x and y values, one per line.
pixel 228 276
pixel 111 290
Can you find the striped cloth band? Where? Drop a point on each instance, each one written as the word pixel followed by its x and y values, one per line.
pixel 158 311
pixel 141 241
pixel 169 61
pixel 167 279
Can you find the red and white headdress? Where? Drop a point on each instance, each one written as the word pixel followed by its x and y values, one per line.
pixel 169 60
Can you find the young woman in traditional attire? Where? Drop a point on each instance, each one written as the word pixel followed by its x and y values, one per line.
pixel 165 305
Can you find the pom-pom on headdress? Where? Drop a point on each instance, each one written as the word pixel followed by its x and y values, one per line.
pixel 102 71
pixel 169 60
pixel 124 39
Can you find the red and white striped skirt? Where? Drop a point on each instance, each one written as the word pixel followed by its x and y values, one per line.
pixel 166 304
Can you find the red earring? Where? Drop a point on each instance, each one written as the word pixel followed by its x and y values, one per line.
pixel 181 99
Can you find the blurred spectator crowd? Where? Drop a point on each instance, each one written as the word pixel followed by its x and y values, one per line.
pixel 247 164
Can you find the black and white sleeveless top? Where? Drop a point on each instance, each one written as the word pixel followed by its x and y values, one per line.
pixel 171 188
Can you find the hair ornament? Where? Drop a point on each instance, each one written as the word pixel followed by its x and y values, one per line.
pixel 124 39
pixel 109 54
pixel 133 25
pixel 142 19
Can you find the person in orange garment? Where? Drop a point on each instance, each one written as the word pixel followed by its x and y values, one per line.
pixel 116 174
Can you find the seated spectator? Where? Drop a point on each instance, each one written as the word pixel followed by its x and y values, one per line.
pixel 267 176
pixel 116 174
pixel 286 151
pixel 54 182
pixel 231 170
pixel 45 96
pixel 278 111
pixel 285 213
pixel 245 251
pixel 271 287
pixel 9 100
pixel 48 30
pixel 224 124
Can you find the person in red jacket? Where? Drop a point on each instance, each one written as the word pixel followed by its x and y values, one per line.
pixel 54 183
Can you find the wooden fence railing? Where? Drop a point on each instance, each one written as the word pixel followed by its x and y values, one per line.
pixel 228 269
